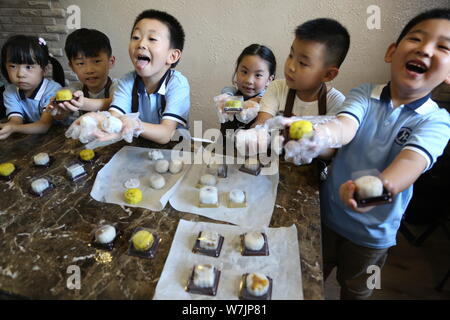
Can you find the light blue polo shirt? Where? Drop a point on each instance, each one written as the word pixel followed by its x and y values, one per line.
pixel 175 90
pixel 29 109
pixel 383 133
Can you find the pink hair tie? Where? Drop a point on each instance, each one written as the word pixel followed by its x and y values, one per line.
pixel 42 42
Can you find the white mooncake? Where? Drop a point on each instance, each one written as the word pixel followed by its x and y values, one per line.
pixel 368 187
pixel 209 240
pixel 40 185
pixel 157 181
pixel 208 180
pixel 257 284
pixel 204 276
pixel 162 166
pixel 41 159
pixel 105 234
pixel 254 240
pixel 209 195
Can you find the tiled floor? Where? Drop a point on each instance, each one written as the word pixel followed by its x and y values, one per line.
pixel 410 272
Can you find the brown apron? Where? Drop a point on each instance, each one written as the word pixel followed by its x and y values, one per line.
pixel 322 101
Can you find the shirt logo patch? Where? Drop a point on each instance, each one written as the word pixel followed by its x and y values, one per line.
pixel 403 136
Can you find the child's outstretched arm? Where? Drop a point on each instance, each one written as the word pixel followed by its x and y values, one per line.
pixel 262 118
pixel 14 125
pixel 159 133
pixel 398 176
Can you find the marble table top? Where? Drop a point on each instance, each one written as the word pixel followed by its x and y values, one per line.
pixel 43 238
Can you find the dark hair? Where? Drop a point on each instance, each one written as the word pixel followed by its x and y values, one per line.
pixel 330 33
pixel 22 49
pixel 438 13
pixel 89 42
pixel 263 52
pixel 175 29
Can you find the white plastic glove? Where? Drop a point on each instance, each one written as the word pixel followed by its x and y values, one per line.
pixel 250 112
pixel 327 134
pixel 252 141
pixel 85 127
pixel 219 102
pixel 131 126
pixel 99 129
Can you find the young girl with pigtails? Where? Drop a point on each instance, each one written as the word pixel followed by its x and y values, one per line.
pixel 24 62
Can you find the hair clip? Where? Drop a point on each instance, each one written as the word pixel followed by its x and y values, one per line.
pixel 42 42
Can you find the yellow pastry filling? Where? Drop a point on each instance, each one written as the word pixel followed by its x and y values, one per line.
pixel 142 240
pixel 6 169
pixel 300 129
pixel 63 94
pixel 133 196
pixel 87 154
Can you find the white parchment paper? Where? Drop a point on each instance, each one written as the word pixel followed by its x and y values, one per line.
pixel 282 264
pixel 133 162
pixel 261 192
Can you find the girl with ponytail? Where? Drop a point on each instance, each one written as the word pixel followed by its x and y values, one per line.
pixel 24 62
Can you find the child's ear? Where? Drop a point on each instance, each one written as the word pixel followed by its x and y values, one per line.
pixel 330 74
pixel 447 80
pixel 174 56
pixel 112 62
pixel 390 52
pixel 71 65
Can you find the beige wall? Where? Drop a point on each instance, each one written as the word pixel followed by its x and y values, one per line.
pixel 218 30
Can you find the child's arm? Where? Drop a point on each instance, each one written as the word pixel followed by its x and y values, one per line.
pixel 262 118
pixel 399 175
pixel 159 133
pixel 40 126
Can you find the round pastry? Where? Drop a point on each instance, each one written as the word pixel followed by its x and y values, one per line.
pixel 157 181
pixel 208 180
pixel 209 240
pixel 87 154
pixel 6 169
pixel 63 95
pixel 88 123
pixel 251 164
pixel 209 195
pixel 132 183
pixel 300 129
pixel 237 196
pixel 40 185
pixel 175 166
pixel 105 234
pixel 155 155
pixel 254 240
pixel 204 276
pixel 369 186
pixel 142 240
pixel 75 170
pixel 41 159
pixel 161 166
pixel 133 196
pixel 257 284
pixel 112 125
